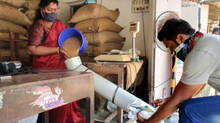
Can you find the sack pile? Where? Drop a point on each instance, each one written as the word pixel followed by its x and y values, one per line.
pixel 13 18
pixel 97 23
pixel 31 6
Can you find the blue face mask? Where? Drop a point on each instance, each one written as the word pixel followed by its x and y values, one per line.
pixel 183 49
pixel 51 17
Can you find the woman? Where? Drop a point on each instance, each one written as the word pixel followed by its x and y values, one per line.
pixel 43 45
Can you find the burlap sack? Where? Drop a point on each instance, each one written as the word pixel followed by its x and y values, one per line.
pixel 15 3
pixel 5 25
pixel 103 37
pixel 4 45
pixel 94 11
pixel 98 25
pixel 32 4
pixel 21 44
pixel 5 54
pixel 7 36
pixel 18 45
pixel 22 53
pixel 104 48
pixel 11 14
pixel 30 14
pixel 23 56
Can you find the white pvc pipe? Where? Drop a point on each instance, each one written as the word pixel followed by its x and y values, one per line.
pixel 107 89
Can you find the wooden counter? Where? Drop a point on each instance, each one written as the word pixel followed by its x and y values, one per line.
pixel 29 94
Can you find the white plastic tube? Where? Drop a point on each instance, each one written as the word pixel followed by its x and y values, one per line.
pixel 107 89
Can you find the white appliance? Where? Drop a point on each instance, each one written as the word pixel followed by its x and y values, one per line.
pixel 162 61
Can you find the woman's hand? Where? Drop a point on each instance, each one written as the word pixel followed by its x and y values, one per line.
pixel 64 53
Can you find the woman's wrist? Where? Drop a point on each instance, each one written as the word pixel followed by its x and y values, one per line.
pixel 58 50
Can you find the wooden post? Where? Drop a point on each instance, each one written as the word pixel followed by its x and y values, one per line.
pixel 12 45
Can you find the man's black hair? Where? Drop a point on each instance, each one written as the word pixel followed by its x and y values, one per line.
pixel 215 29
pixel 42 4
pixel 173 27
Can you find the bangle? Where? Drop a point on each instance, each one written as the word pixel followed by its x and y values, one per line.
pixel 58 50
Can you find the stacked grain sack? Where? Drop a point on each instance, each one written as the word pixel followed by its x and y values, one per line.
pixel 13 20
pixel 32 6
pixel 96 22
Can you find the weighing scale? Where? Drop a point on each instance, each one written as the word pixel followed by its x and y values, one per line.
pixel 134 29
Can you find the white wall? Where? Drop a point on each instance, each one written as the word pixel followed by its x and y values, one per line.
pixel 191 15
pixel 204 18
pixel 168 5
pixel 64 12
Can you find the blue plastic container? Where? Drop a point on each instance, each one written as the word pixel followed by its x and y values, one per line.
pixel 71 32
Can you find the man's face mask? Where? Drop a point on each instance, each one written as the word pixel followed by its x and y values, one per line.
pixel 51 17
pixel 183 49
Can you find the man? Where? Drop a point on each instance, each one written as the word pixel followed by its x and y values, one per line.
pixel 200 53
pixel 215 31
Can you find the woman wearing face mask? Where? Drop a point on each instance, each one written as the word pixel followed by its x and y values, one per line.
pixel 43 46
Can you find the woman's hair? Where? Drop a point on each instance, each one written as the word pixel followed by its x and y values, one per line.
pixel 42 4
pixel 173 27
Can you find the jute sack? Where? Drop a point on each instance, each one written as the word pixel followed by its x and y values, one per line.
pixel 21 44
pixel 5 25
pixel 103 37
pixel 94 11
pixel 15 3
pixel 30 14
pixel 98 25
pixel 22 53
pixel 5 54
pixel 11 14
pixel 23 56
pixel 104 48
pixel 7 36
pixel 32 4
pixel 4 45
